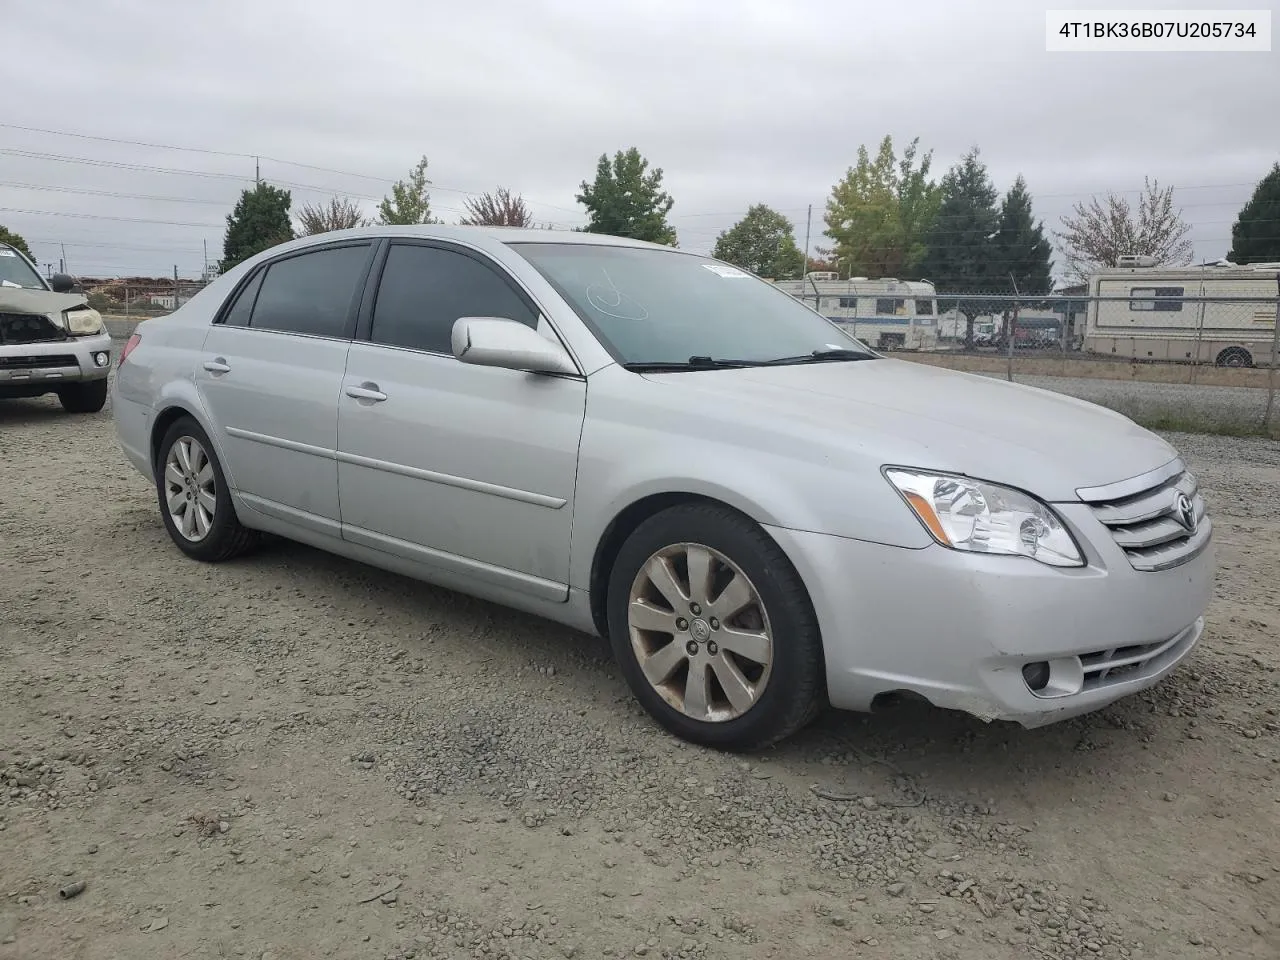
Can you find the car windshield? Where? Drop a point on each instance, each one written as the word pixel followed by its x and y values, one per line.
pixel 16 272
pixel 660 307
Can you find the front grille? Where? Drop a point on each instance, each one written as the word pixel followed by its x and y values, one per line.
pixel 1158 520
pixel 48 361
pixel 1105 667
pixel 19 328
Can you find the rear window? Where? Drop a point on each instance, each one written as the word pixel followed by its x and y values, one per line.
pixel 312 294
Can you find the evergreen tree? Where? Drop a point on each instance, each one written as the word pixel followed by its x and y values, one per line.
pixel 962 255
pixel 260 220
pixel 1255 237
pixel 1022 250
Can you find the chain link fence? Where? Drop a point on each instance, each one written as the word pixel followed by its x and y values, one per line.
pixel 139 298
pixel 1206 362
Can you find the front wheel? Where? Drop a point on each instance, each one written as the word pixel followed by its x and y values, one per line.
pixel 194 499
pixel 714 630
pixel 88 397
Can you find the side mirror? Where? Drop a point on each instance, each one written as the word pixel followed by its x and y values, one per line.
pixel 498 342
pixel 62 283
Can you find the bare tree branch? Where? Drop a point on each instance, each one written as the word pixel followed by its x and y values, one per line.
pixel 498 209
pixel 1099 234
pixel 339 213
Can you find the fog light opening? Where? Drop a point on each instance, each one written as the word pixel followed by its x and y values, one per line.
pixel 101 359
pixel 1036 675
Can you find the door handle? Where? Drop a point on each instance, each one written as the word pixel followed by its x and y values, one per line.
pixel 217 365
pixel 366 391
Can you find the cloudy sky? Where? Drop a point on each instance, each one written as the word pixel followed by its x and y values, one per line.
pixel 738 101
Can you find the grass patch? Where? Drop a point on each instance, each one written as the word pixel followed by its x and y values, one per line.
pixel 1175 420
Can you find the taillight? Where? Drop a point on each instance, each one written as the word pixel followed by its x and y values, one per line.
pixel 128 349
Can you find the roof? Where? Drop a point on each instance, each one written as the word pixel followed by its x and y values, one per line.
pixel 479 235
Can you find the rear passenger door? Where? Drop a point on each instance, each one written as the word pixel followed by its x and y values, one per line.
pixel 270 375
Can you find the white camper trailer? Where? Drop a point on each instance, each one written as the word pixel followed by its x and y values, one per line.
pixel 887 314
pixel 1138 312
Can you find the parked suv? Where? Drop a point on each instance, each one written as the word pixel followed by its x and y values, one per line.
pixel 51 340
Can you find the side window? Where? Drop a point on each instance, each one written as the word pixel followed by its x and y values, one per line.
pixel 424 290
pixel 238 315
pixel 311 293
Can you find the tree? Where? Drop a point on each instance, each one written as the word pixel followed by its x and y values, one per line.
pixel 259 220
pixel 962 253
pixel 879 213
pixel 1099 234
pixel 1255 236
pixel 338 214
pixel 15 241
pixel 761 242
pixel 410 201
pixel 498 209
pixel 1021 249
pixel 627 200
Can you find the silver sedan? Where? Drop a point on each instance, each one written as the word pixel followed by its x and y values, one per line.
pixel 761 514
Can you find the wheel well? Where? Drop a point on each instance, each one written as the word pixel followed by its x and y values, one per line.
pixel 615 535
pixel 162 424
pixel 1225 355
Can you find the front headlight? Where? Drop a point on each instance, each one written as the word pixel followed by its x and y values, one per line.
pixel 82 321
pixel 980 517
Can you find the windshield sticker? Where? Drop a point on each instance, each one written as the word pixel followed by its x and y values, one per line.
pixel 8 253
pixel 612 302
pixel 729 273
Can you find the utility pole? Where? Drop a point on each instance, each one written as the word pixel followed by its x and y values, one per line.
pixel 807 225
pixel 175 286
pixel 63 261
pixel 257 171
pixel 205 275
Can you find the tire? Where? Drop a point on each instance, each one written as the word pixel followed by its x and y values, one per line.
pixel 786 694
pixel 222 536
pixel 1234 357
pixel 87 397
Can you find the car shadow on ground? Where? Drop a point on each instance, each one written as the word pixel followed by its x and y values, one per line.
pixel 909 747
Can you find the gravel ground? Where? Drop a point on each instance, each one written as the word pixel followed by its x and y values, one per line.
pixel 1135 397
pixel 293 756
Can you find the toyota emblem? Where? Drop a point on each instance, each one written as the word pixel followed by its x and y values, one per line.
pixel 1186 512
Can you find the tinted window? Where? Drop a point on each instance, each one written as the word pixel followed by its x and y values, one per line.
pixel 238 315
pixel 424 290
pixel 924 308
pixel 311 294
pixel 889 306
pixel 848 303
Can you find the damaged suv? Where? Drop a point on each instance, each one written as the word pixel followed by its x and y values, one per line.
pixel 51 340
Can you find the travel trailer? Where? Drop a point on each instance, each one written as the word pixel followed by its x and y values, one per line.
pixel 887 314
pixel 1141 312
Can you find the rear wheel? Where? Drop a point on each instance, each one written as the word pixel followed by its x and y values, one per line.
pixel 714 630
pixel 194 500
pixel 88 397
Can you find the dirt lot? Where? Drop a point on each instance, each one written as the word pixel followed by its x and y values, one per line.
pixel 293 756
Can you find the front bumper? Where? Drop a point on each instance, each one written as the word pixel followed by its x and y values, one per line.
pixel 958 628
pixel 31 367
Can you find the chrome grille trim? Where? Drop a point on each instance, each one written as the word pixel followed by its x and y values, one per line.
pixel 1141 514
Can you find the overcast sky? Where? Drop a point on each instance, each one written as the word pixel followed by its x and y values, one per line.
pixel 738 101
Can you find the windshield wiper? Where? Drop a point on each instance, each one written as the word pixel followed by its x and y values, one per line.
pixel 693 363
pixel 820 356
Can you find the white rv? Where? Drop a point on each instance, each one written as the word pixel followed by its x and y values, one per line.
pixel 887 314
pixel 1138 312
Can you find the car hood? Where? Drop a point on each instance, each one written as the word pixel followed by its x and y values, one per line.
pixel 38 301
pixel 918 415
